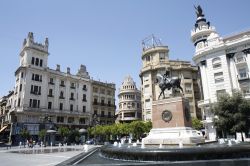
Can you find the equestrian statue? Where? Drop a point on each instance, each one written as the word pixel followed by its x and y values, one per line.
pixel 165 82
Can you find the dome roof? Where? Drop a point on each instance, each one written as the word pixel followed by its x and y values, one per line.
pixel 128 81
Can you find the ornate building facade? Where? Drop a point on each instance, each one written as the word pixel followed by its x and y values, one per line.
pixel 129 101
pixel 42 93
pixel 103 102
pixel 223 63
pixel 155 60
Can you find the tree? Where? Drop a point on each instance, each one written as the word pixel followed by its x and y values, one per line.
pixel 64 133
pixel 138 128
pixel 233 113
pixel 197 124
pixel 42 134
pixel 74 136
pixel 25 134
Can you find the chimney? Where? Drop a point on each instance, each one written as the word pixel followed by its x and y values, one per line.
pixel 57 67
pixel 68 70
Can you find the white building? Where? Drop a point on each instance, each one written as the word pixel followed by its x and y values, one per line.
pixel 41 93
pixel 129 101
pixel 223 63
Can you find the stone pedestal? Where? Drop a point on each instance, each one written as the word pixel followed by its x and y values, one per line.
pixel 172 123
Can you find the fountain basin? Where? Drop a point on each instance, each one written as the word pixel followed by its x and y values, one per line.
pixel 177 154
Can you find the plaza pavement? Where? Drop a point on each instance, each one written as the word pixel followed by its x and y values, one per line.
pixel 7 158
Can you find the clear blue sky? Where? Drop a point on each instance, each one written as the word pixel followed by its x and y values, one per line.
pixel 106 35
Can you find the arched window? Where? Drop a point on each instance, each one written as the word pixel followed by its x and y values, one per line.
pixel 216 63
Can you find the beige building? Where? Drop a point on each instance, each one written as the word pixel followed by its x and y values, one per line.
pixel 103 102
pixel 45 97
pixel 129 101
pixel 155 60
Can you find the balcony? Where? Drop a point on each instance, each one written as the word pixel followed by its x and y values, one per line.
pixel 50 95
pixel 85 89
pixel 61 97
pixel 72 87
pixel 51 83
pixel 243 76
pixel 84 100
pixel 71 98
pixel 35 92
pixel 203 103
pixel 240 61
pixel 62 85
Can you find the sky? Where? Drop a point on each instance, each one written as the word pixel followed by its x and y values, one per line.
pixel 106 35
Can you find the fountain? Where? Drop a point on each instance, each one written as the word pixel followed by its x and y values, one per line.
pixel 172 138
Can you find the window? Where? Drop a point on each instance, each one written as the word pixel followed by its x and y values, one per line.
pixel 61 95
pixel 41 62
pixel 95 100
pixel 49 105
pixel 35 90
pixel 102 114
pixel 82 121
pixel 220 93
pixel 62 83
pixel 84 87
pixel 51 81
pixel 109 114
pixel 218 77
pixel 22 75
pixel 34 103
pixel 50 93
pixel 37 62
pixel 20 88
pixel 95 89
pixel 72 86
pixel 70 119
pixel 109 102
pixel 242 73
pixel 84 97
pixel 18 102
pixel 109 92
pixel 148 58
pixel 30 102
pixel 102 102
pixel 33 61
pixel 95 112
pixel 36 77
pixel 60 119
pixel 84 108
pixel 216 63
pixel 71 107
pixel 61 106
pixel 162 56
pixel 71 96
pixel 102 91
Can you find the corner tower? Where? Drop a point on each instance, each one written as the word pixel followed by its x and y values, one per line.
pixel 34 54
pixel 201 31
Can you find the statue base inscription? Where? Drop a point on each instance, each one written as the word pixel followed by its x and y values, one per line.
pixel 172 123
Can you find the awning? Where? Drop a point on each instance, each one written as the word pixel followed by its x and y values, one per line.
pixel 3 128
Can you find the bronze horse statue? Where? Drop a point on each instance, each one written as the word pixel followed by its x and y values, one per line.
pixel 168 83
